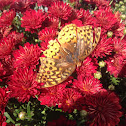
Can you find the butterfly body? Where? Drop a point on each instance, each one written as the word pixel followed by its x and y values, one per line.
pixel 66 52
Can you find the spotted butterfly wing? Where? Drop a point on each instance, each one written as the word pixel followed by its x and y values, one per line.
pixel 86 42
pixel 74 45
pixel 56 67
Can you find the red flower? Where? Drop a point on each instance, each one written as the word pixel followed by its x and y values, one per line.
pixel 77 22
pixel 62 121
pixel 46 3
pixel 52 22
pixel 4 31
pixel 7 18
pixel 115 65
pixel 4 3
pixel 68 99
pixel 32 20
pixel 6 46
pixel 104 47
pixel 44 45
pixel 87 85
pixel 50 96
pixel 23 84
pixel 2 71
pixel 4 97
pixel 88 68
pixel 2 120
pixel 27 55
pixel 22 5
pixel 120 47
pixel 7 65
pixel 103 108
pixel 122 73
pixel 85 16
pixel 18 37
pixel 106 19
pixel 48 34
pixel 60 10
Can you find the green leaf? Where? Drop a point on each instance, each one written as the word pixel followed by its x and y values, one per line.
pixel 9 118
pixel 18 124
pixel 114 80
pixel 28 110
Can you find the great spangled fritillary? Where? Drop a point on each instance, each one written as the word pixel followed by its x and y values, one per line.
pixel 71 47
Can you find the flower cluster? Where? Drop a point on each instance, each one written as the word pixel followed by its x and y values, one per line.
pixel 25 31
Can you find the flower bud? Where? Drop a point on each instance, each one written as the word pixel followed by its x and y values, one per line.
pixel 122 8
pixel 124 31
pixel 123 16
pixel 102 64
pixel 97 75
pixel 116 5
pixel 83 113
pixel 111 87
pixel 21 115
pixel 109 34
pixel 121 2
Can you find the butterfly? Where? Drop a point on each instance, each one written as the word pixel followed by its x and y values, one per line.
pixel 63 54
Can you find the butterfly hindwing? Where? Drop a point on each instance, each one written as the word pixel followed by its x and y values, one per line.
pixel 53 71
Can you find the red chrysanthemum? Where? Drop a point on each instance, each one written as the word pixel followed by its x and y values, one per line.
pixel 47 34
pixel 22 5
pixel 18 37
pixel 4 31
pixel 106 19
pixel 2 120
pixel 27 55
pixel 52 22
pixel 23 84
pixel 88 68
pixel 44 45
pixel 2 71
pixel 60 10
pixel 4 97
pixel 115 65
pixel 104 47
pixel 103 109
pixel 85 16
pixel 7 64
pixel 46 3
pixel 7 18
pixel 77 22
pixel 87 85
pixel 4 3
pixel 50 96
pixel 122 73
pixel 62 121
pixel 33 20
pixel 120 47
pixel 68 99
pixel 6 46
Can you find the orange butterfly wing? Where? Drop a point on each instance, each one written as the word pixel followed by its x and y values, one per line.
pixel 74 45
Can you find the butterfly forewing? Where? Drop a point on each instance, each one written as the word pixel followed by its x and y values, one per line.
pixel 67 37
pixel 86 43
pixel 56 66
